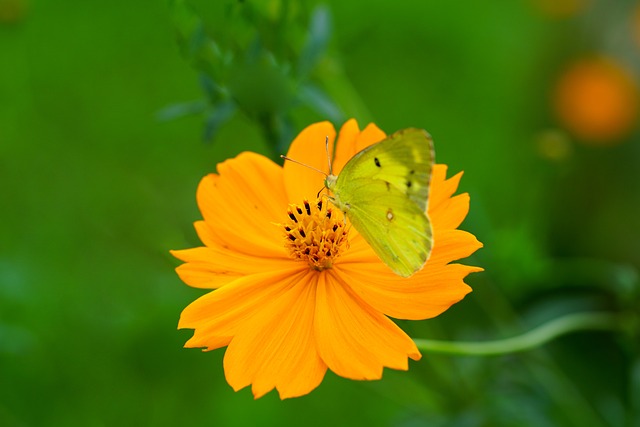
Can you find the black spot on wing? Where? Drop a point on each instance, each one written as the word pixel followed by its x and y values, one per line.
pixel 376 161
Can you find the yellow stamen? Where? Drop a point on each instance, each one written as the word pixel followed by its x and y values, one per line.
pixel 315 233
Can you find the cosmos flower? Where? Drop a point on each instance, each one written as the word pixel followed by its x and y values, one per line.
pixel 293 289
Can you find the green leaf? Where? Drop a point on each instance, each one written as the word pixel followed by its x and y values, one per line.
pixel 198 40
pixel 216 118
pixel 317 40
pixel 212 90
pixel 175 111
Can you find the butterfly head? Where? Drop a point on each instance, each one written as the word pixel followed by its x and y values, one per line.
pixel 330 181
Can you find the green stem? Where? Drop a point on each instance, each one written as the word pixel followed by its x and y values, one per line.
pixel 527 341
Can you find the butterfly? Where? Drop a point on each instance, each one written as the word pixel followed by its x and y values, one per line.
pixel 383 191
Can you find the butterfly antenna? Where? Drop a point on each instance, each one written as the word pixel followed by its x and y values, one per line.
pixel 302 164
pixel 326 145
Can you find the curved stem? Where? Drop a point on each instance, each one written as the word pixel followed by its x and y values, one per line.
pixel 527 341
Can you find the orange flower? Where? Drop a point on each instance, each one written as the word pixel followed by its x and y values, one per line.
pixel 288 305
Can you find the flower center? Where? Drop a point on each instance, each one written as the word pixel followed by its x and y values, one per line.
pixel 315 234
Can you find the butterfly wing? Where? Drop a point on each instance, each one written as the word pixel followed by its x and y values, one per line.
pixel 395 227
pixel 404 160
pixel 384 190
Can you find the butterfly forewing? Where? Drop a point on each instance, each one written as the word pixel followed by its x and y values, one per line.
pixel 404 160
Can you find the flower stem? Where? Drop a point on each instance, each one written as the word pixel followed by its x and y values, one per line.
pixel 527 341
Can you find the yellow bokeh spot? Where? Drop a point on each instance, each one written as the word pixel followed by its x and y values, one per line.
pixel 554 145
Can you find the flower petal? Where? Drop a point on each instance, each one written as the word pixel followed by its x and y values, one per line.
pixel 441 188
pixel 242 203
pixel 216 316
pixel 275 347
pixel 205 233
pixel 424 295
pixel 450 212
pixel 370 135
pixel 232 222
pixel 355 340
pixel 213 266
pixel 359 250
pixel 351 141
pixel 451 245
pixel 251 174
pixel 308 148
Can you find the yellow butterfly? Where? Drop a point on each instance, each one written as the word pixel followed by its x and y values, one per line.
pixel 384 190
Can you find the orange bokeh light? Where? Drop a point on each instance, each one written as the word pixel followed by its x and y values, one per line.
pixel 559 8
pixel 597 100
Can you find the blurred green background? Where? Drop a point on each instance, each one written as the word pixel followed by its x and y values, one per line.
pixel 111 112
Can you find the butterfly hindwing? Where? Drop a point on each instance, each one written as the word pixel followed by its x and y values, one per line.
pixel 384 190
pixel 396 228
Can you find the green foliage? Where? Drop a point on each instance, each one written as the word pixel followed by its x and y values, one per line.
pixel 95 190
pixel 257 58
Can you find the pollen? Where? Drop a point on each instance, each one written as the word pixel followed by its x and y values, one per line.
pixel 315 233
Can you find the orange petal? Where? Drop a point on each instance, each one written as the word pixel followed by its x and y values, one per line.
pixel 424 295
pixel 241 204
pixel 257 179
pixel 450 213
pixel 358 250
pixel 441 188
pixel 203 275
pixel 216 316
pixel 369 136
pixel 275 347
pixel 213 266
pixel 206 234
pixel 353 339
pixel 451 245
pixel 346 145
pixel 308 148
pixel 351 141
